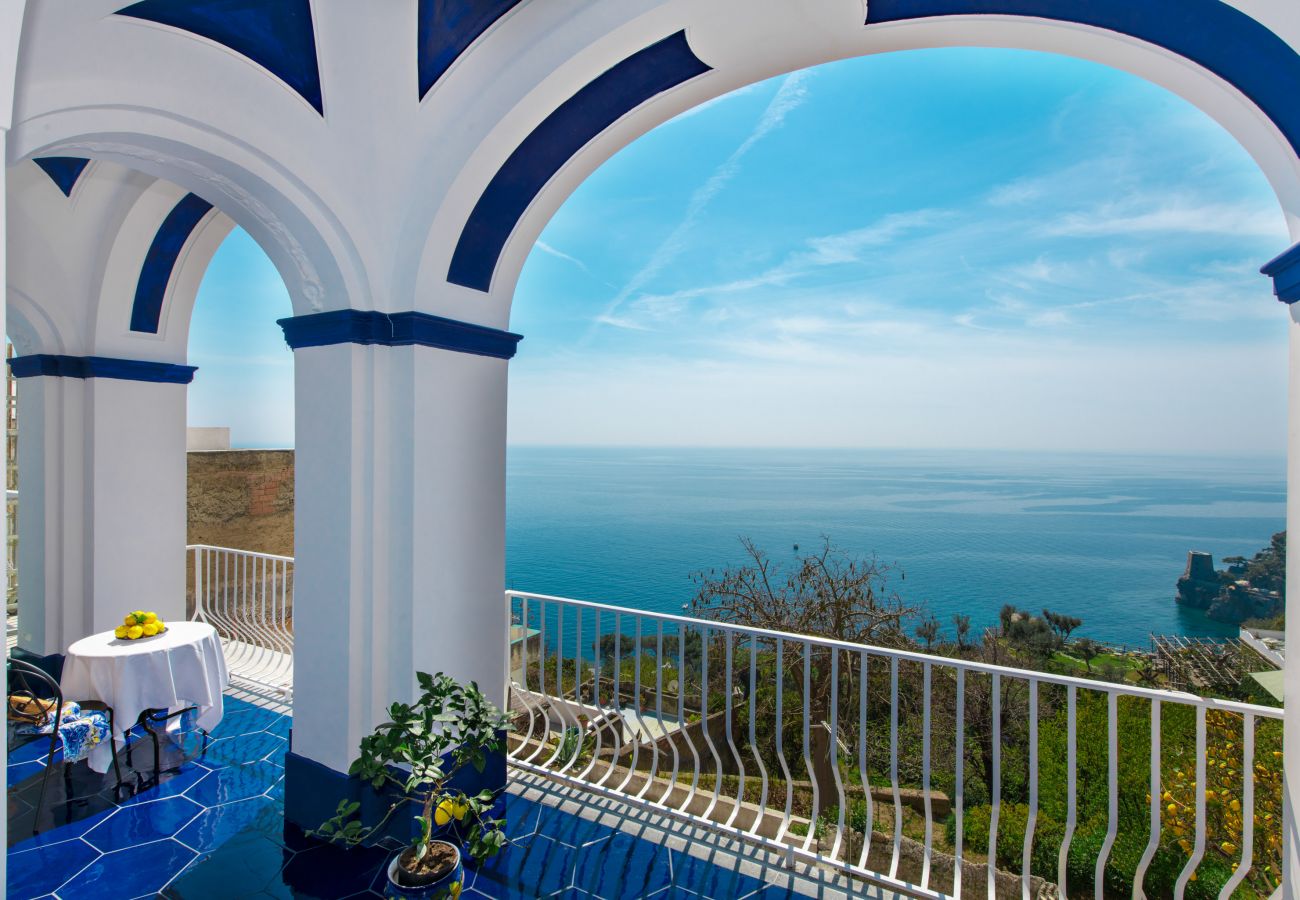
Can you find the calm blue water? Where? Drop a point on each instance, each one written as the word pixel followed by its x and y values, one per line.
pixel 1100 537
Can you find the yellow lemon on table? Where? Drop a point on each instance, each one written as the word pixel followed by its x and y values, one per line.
pixel 443 814
pixel 149 629
pixel 129 620
pixel 150 617
pixel 119 632
pixel 134 632
pixel 161 626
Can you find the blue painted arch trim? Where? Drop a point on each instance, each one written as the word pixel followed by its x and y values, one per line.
pixel 63 170
pixel 403 329
pixel 100 367
pixel 1285 272
pixel 446 28
pixel 160 261
pixel 646 73
pixel 278 35
pixel 1212 34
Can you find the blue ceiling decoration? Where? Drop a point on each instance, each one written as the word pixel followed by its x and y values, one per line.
pixel 276 34
pixel 552 143
pixel 1211 33
pixel 63 170
pixel 156 273
pixel 446 27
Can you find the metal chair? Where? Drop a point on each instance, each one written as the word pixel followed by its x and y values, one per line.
pixel 29 684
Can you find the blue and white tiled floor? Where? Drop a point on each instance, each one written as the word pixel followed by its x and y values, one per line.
pixel 215 828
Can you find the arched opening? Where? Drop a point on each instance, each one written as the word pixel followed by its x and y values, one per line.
pixel 993 253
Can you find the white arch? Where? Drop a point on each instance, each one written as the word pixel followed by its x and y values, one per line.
pixel 746 42
pixel 298 232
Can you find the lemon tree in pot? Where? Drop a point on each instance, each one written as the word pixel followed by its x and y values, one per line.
pixel 415 758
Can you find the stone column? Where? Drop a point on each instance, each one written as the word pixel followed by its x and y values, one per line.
pixel 399 528
pixel 101 468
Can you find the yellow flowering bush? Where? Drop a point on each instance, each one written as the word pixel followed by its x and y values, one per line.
pixel 1224 806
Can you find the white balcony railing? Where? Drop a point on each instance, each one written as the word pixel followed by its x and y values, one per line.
pixel 850 755
pixel 248 598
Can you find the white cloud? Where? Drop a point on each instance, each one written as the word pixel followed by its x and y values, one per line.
pixel 1177 214
pixel 788 98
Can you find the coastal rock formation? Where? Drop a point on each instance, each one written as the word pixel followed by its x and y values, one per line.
pixel 1248 589
pixel 1200 585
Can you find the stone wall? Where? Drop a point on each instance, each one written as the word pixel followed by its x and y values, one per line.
pixel 242 499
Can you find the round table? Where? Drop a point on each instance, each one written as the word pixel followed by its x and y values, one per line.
pixel 181 667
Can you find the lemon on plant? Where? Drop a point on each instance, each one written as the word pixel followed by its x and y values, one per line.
pixel 134 632
pixel 459 809
pixel 443 814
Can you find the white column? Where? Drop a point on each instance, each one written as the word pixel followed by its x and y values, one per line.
pixel 399 534
pixel 1291 682
pixel 101 468
pixel 4 437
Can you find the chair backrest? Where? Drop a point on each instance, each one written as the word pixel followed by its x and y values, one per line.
pixel 28 683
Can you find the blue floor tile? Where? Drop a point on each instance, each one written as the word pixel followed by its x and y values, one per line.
pixel 33 873
pixel 20 772
pixel 329 871
pixel 702 877
pixel 171 784
pixel 218 824
pixel 623 867
pixel 244 719
pixel 235 783
pixel 241 749
pixel 244 866
pixel 134 872
pixel 280 727
pixel 132 825
pixel 535 867
pixel 34 750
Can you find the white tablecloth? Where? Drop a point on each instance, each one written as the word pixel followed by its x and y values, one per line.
pixel 181 667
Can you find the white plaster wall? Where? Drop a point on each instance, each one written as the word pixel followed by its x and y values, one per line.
pixel 135 503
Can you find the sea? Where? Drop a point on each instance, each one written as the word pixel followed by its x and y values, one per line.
pixel 1100 537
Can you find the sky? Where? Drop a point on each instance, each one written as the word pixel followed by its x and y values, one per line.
pixel 954 248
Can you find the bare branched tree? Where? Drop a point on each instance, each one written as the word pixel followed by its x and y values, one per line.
pixel 824 594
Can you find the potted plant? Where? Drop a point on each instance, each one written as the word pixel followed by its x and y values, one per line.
pixel 415 758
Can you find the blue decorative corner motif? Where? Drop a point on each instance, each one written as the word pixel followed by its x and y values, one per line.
pixel 1285 272
pixel 646 73
pixel 446 28
pixel 63 170
pixel 278 35
pixel 100 367
pixel 160 261
pixel 1212 34
pixel 403 329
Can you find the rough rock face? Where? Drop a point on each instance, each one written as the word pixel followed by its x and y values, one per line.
pixel 1239 602
pixel 1200 585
